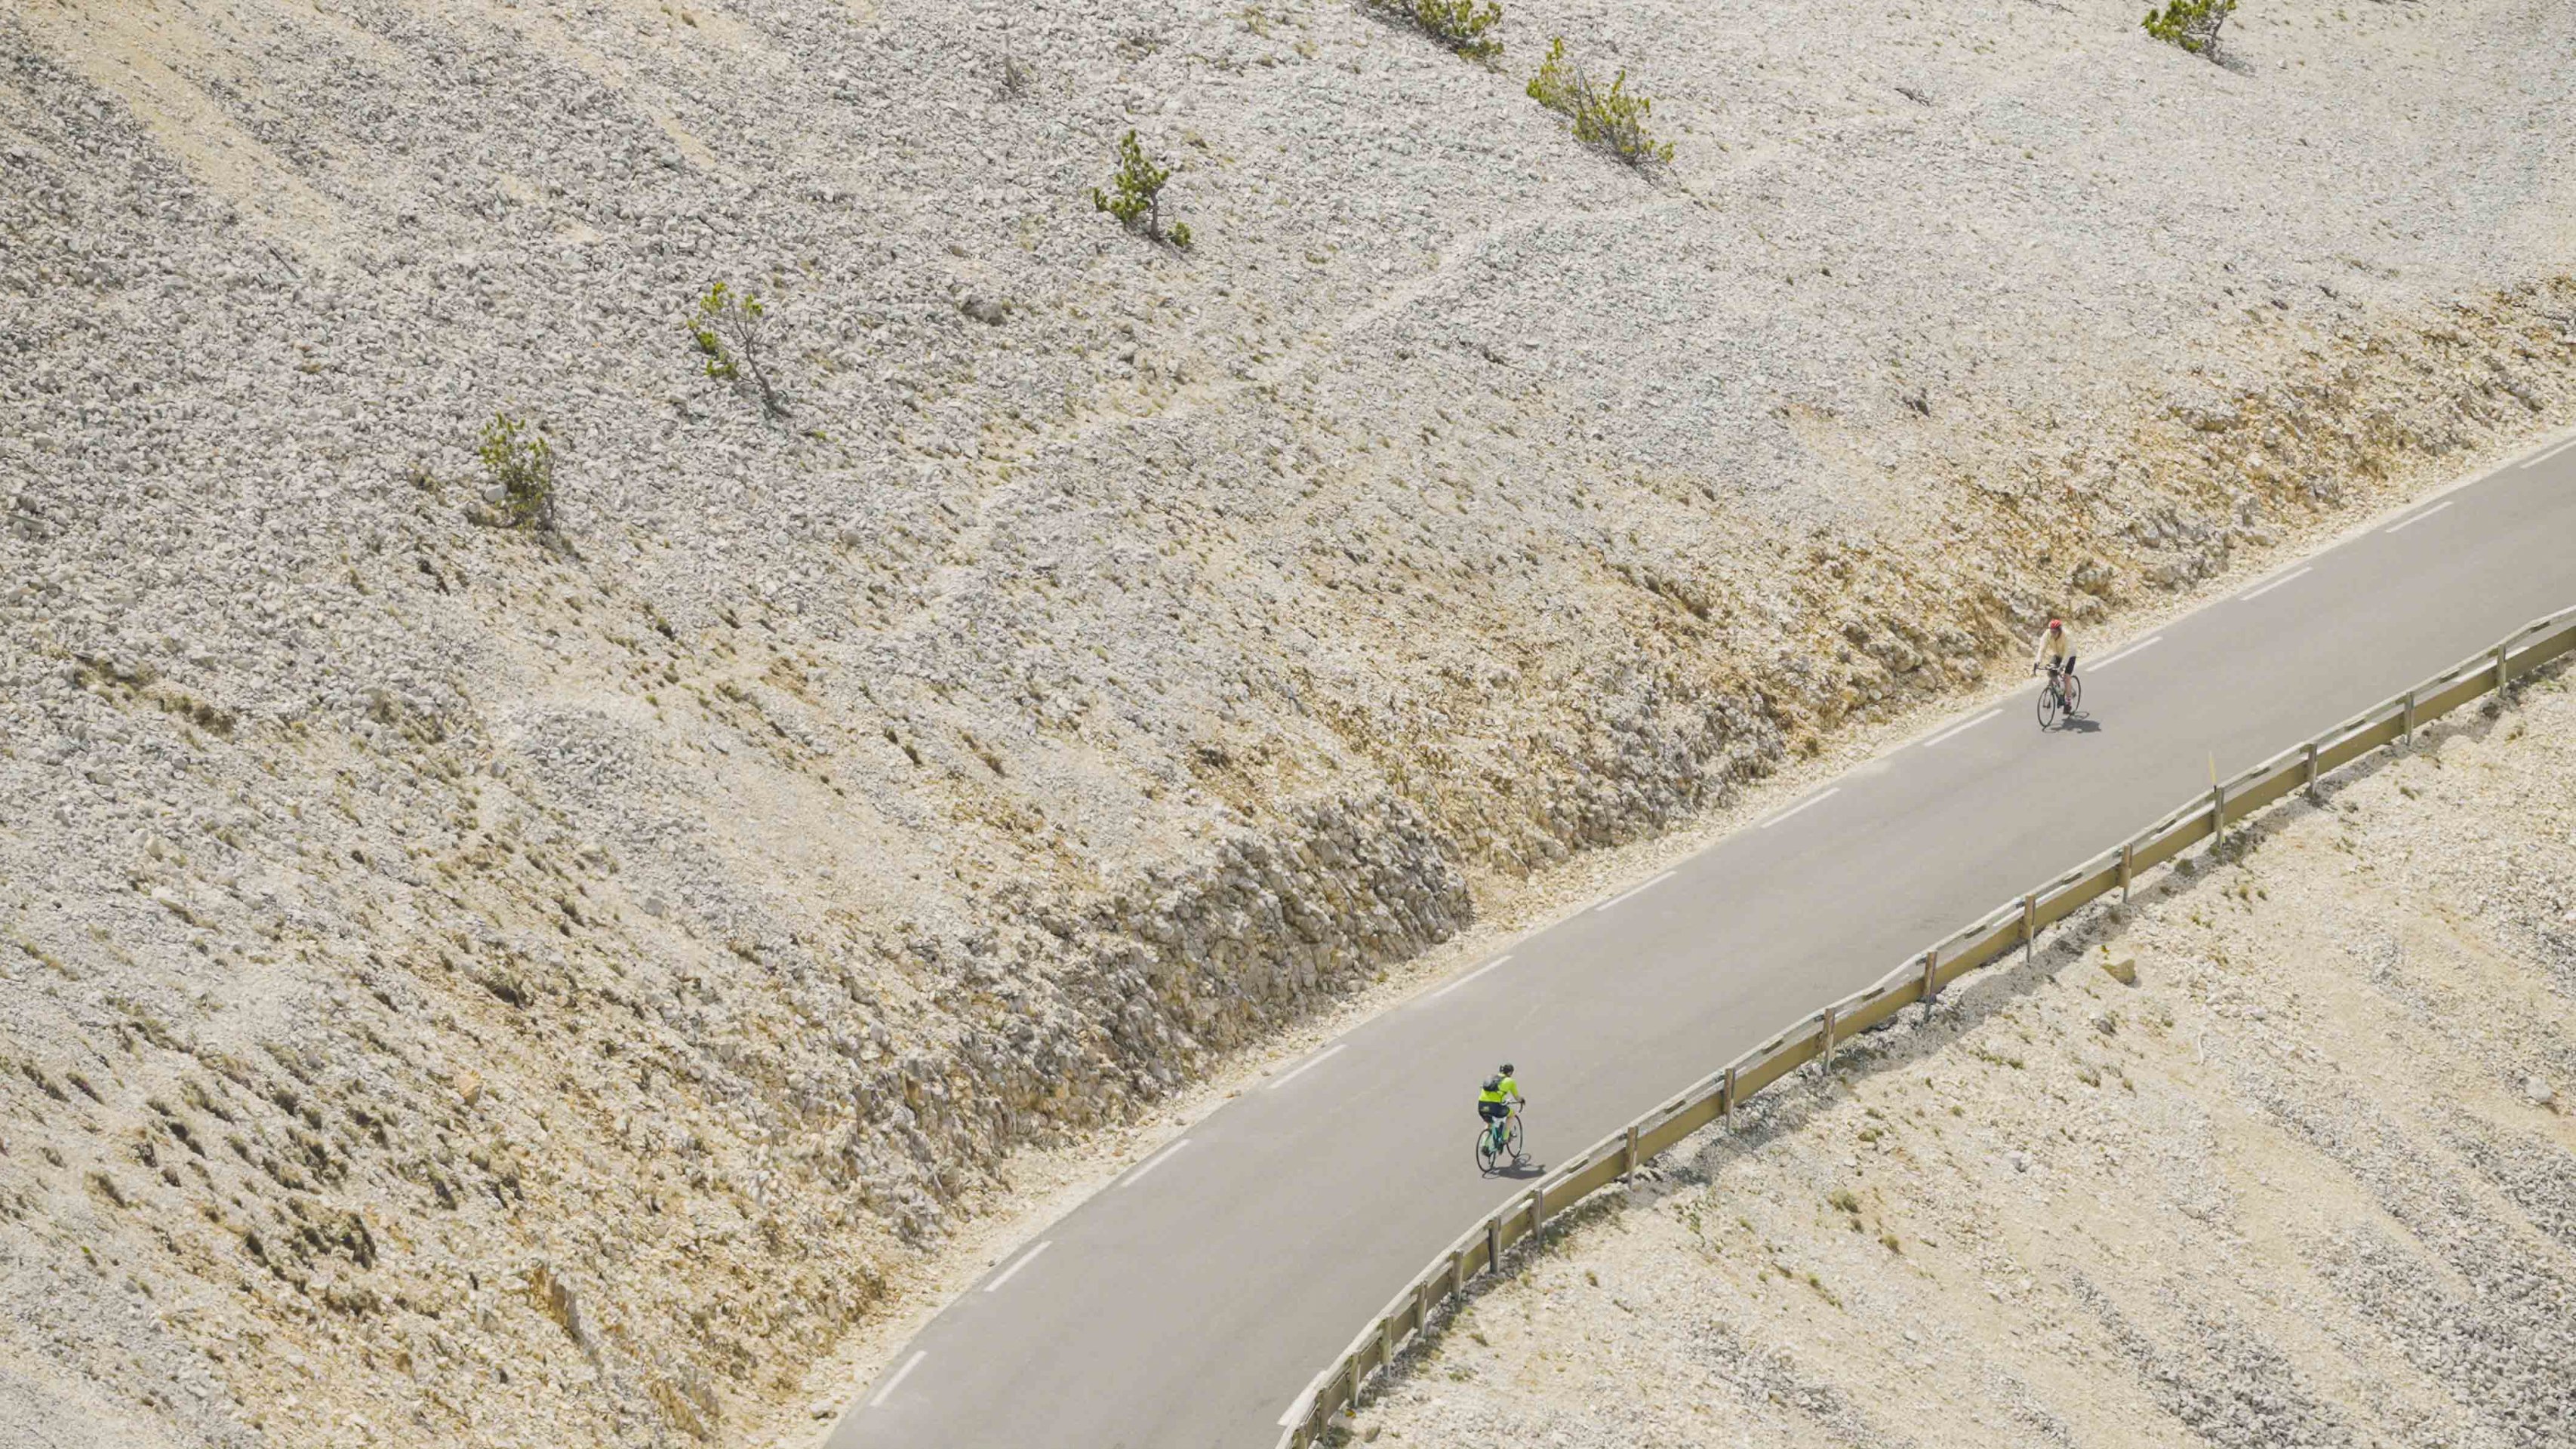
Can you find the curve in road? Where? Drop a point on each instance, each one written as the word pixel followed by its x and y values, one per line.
pixel 1187 1305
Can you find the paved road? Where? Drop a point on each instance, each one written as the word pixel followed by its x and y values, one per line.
pixel 1187 1305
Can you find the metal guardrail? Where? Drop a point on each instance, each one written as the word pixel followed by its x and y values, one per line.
pixel 1920 979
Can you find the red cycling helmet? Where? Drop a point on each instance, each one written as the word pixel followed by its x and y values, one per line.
pixel 2056 626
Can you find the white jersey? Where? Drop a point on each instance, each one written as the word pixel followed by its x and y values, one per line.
pixel 2053 647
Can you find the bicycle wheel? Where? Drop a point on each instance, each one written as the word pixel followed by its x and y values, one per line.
pixel 1485 1154
pixel 2074 696
pixel 1515 1143
pixel 2048 706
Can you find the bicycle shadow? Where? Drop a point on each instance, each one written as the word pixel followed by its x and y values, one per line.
pixel 2082 724
pixel 1520 1171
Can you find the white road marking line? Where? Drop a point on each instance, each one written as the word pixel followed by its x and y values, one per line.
pixel 1794 809
pixel 900 1375
pixel 1312 1061
pixel 2134 648
pixel 2276 583
pixel 1972 724
pixel 1157 1160
pixel 1637 890
pixel 2552 453
pixel 1026 1259
pixel 2420 517
pixel 1470 976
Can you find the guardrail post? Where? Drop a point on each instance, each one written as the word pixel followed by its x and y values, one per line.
pixel 2501 674
pixel 1327 1401
pixel 2128 867
pixel 2312 770
pixel 1386 1342
pixel 1457 1273
pixel 2217 816
pixel 2409 735
pixel 1628 1158
pixel 1931 979
pixel 1494 1244
pixel 1730 1099
pixel 1538 1209
pixel 1829 1038
pixel 2029 928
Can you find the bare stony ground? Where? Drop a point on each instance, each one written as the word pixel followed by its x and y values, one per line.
pixel 459 989
pixel 2284 1157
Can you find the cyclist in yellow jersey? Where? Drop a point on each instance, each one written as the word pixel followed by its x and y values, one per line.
pixel 1495 1103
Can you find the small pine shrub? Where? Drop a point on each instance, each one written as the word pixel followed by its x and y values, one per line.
pixel 1457 24
pixel 1015 75
pixel 1137 201
pixel 2191 24
pixel 1613 119
pixel 520 464
pixel 735 337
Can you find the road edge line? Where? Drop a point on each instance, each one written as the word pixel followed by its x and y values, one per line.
pixel 900 1375
pixel 1971 724
pixel 1636 890
pixel 1311 1062
pixel 1149 1164
pixel 1026 1259
pixel 1470 976
pixel 2140 647
pixel 1817 799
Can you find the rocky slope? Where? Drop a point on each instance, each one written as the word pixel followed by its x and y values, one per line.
pixel 454 983
pixel 2283 1158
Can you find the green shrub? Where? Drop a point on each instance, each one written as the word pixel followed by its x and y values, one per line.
pixel 1613 119
pixel 2191 24
pixel 519 464
pixel 1138 198
pixel 1457 24
pixel 734 334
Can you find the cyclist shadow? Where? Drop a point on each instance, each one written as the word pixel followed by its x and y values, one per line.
pixel 1520 1170
pixel 2080 724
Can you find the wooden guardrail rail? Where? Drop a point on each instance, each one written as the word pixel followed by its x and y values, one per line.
pixel 2016 923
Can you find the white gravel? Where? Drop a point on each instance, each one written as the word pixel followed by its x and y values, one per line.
pixel 598 981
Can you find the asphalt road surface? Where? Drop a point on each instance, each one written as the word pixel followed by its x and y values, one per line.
pixel 1189 1304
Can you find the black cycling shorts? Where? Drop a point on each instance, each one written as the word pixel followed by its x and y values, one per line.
pixel 1493 1111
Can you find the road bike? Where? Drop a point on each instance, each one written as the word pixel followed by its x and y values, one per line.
pixel 1489 1151
pixel 2062 699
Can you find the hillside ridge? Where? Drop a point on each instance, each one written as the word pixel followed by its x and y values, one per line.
pixel 464 980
